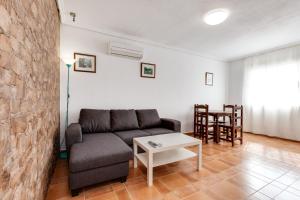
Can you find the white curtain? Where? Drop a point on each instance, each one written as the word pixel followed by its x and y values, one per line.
pixel 271 93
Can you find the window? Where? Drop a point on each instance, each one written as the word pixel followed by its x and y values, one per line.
pixel 273 86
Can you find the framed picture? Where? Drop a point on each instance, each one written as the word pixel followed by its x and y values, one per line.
pixel 209 79
pixel 148 70
pixel 85 63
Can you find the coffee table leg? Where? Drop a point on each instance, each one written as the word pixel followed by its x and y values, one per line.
pixel 150 169
pixel 199 160
pixel 134 155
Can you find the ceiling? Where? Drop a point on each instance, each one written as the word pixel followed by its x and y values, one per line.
pixel 253 26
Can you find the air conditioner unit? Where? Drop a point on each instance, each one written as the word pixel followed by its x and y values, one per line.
pixel 126 50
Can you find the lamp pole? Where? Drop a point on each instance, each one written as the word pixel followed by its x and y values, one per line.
pixel 69 63
pixel 68 95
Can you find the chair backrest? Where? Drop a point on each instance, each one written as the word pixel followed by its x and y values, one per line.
pixel 201 113
pixel 238 115
pixel 228 108
pixel 201 108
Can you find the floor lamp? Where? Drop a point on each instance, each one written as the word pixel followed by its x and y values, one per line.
pixel 69 63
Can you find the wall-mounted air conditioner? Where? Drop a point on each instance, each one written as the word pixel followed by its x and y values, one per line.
pixel 126 50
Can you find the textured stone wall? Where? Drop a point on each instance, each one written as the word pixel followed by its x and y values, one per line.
pixel 29 96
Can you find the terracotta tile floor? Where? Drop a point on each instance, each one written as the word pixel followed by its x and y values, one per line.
pixel 262 168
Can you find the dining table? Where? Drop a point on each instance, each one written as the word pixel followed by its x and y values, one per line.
pixel 216 114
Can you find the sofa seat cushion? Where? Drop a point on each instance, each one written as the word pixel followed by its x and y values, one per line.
pixel 127 136
pixel 148 118
pixel 94 121
pixel 98 150
pixel 158 131
pixel 122 120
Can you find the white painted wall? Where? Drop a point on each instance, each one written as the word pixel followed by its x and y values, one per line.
pixel 235 82
pixel 178 85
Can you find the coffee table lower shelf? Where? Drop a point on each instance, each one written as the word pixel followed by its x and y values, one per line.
pixel 166 157
pixel 173 149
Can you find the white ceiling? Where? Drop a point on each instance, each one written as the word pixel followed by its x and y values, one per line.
pixel 253 26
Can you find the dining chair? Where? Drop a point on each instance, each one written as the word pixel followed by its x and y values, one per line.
pixel 196 128
pixel 226 119
pixel 232 128
pixel 203 126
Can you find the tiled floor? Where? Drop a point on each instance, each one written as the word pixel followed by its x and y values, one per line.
pixel 262 168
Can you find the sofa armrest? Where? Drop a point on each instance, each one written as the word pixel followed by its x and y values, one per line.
pixel 73 135
pixel 172 124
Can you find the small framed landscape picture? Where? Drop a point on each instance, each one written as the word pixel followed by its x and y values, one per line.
pixel 85 63
pixel 148 70
pixel 209 79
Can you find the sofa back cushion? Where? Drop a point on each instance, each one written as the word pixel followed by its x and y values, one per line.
pixel 94 121
pixel 148 118
pixel 123 120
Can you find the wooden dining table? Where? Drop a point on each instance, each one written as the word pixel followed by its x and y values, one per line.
pixel 216 114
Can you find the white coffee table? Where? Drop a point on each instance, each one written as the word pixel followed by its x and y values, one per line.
pixel 172 150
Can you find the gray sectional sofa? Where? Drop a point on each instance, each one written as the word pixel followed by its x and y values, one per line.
pixel 100 145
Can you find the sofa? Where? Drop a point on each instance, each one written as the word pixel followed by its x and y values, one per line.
pixel 99 146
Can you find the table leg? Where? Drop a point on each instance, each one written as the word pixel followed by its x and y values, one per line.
pixel 199 160
pixel 135 164
pixel 150 169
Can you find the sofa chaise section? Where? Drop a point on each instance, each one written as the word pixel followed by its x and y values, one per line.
pixel 96 159
pixel 95 154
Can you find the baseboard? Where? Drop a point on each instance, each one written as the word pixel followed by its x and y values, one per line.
pixel 274 137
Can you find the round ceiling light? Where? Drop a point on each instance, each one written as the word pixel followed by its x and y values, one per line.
pixel 216 16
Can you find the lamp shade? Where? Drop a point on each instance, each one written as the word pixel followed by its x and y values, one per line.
pixel 68 61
